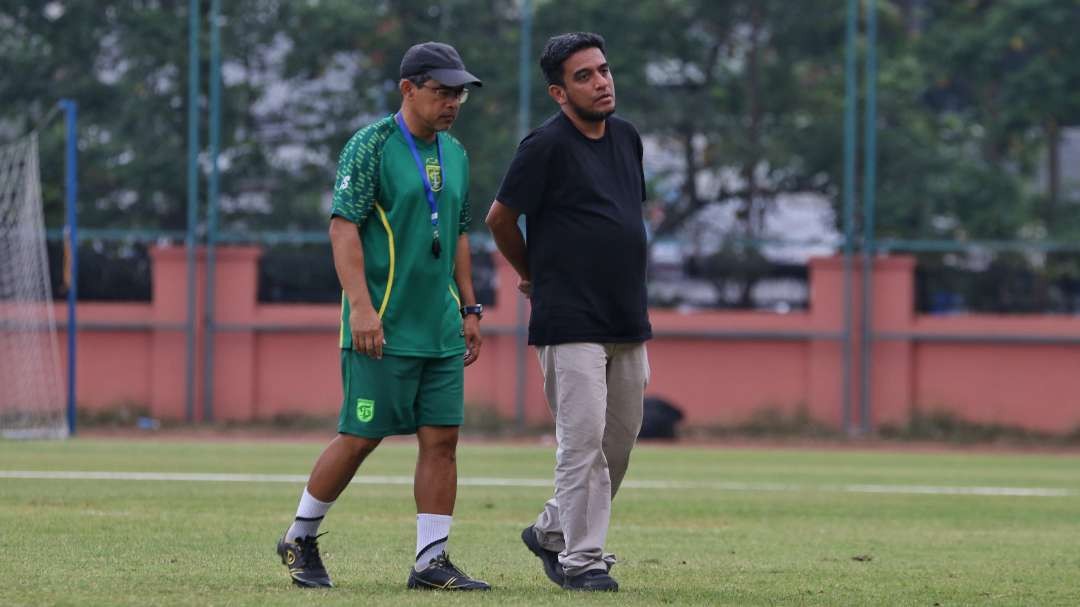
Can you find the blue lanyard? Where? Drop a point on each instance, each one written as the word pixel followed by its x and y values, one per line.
pixel 432 203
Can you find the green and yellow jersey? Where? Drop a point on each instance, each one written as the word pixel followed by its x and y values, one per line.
pixel 379 189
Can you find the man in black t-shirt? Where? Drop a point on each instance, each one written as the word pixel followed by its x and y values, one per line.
pixel 579 182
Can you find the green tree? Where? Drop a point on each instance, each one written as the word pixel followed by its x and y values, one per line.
pixel 124 62
pixel 1007 70
pixel 746 96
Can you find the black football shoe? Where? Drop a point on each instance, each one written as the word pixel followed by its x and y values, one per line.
pixel 552 567
pixel 305 565
pixel 441 574
pixel 596 580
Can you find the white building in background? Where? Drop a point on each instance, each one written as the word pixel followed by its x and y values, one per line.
pixel 1069 159
pixel 796 228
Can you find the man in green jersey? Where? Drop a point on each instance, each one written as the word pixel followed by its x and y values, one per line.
pixel 409 319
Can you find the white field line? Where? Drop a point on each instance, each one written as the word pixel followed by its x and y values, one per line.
pixel 547 483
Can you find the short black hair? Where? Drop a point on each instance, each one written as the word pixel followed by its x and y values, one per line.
pixel 559 48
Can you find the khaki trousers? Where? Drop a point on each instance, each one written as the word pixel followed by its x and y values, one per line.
pixel 595 393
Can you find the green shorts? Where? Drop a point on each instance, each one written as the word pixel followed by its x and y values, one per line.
pixel 398 394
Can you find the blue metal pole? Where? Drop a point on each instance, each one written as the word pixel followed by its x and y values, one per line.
pixel 522 130
pixel 869 187
pixel 524 81
pixel 71 184
pixel 212 207
pixel 192 200
pixel 850 84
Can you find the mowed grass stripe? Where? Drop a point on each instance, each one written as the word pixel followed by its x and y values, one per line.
pixel 695 526
pixel 527 482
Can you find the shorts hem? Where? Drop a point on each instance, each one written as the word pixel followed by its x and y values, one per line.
pixel 377 434
pixel 432 354
pixel 440 422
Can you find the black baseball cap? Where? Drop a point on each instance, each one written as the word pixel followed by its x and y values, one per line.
pixel 439 61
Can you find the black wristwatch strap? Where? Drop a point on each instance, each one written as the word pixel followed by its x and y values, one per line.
pixel 477 309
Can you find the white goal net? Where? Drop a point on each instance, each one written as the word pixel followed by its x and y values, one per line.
pixel 31 386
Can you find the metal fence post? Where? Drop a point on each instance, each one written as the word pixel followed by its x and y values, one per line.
pixel 522 130
pixel 71 185
pixel 192 199
pixel 212 210
pixel 850 83
pixel 869 186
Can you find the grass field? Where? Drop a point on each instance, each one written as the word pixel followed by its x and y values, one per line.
pixel 692 527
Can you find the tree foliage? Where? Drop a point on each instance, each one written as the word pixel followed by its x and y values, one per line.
pixel 744 98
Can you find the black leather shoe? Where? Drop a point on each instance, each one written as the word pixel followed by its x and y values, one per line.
pixel 552 568
pixel 596 580
pixel 304 563
pixel 441 574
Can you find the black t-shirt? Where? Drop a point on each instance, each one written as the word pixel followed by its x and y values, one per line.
pixel 582 201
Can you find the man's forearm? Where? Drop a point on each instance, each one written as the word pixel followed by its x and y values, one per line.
pixel 463 271
pixel 349 262
pixel 511 244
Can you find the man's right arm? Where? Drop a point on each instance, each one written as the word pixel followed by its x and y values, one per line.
pixel 502 221
pixel 364 322
pixel 522 192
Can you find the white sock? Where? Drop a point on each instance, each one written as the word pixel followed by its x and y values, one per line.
pixel 432 533
pixel 309 514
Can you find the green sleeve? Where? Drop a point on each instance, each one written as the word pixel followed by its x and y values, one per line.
pixel 357 182
pixel 465 219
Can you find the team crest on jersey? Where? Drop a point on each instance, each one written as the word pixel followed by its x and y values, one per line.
pixel 344 185
pixel 365 409
pixel 434 173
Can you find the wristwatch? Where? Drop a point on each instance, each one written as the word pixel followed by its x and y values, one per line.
pixel 477 309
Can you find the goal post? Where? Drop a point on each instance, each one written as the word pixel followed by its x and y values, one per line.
pixel 32 391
